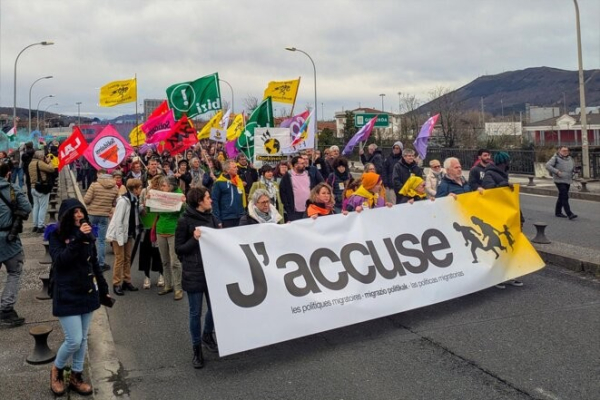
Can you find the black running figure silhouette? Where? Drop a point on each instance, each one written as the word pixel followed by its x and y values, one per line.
pixel 491 234
pixel 509 237
pixel 470 236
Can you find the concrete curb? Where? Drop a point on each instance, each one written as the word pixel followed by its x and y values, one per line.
pixel 574 258
pixel 573 194
pixel 105 367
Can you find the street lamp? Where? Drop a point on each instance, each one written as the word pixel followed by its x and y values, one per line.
pixel 382 96
pixel 51 105
pixel 399 102
pixel 585 156
pixel 31 87
pixel 315 79
pixel 231 88
pixel 79 113
pixel 45 43
pixel 37 112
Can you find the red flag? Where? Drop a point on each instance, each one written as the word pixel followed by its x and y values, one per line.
pixel 72 148
pixel 182 137
pixel 160 110
pixel 108 150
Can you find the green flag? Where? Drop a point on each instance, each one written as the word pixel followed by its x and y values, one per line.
pixel 262 117
pixel 195 98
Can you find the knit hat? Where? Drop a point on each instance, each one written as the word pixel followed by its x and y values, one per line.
pixel 370 179
pixel 501 158
pixel 399 143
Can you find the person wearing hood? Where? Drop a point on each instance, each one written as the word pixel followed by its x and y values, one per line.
pixel 320 202
pixel 413 190
pixel 11 252
pixel 404 169
pixel 122 231
pixel 388 171
pixel 79 289
pixel 267 183
pixel 187 235
pixel 99 200
pixel 338 180
pixel 373 156
pixel 561 167
pixel 261 210
pixel 368 195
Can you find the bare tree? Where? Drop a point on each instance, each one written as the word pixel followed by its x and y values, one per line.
pixel 250 103
pixel 443 101
pixel 410 119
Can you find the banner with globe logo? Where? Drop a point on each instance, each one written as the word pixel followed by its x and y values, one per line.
pixel 268 143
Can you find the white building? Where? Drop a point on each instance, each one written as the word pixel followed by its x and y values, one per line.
pixel 504 128
pixel 389 132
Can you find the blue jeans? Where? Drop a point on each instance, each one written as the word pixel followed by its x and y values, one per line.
pixel 14 269
pixel 75 329
pixel 102 224
pixel 17 175
pixel 40 206
pixel 195 303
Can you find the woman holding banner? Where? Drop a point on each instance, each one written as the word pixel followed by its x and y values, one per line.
pixel 321 201
pixel 261 210
pixel 197 213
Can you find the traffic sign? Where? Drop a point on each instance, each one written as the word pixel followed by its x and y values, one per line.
pixel 361 120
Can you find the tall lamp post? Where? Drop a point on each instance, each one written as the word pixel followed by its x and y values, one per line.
pixel 51 105
pixel 31 87
pixel 382 95
pixel 37 113
pixel 78 113
pixel 585 156
pixel 230 88
pixel 45 43
pixel 315 79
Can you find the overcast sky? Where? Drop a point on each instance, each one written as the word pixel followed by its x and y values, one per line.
pixel 361 48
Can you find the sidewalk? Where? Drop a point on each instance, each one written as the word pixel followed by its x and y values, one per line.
pixel 545 186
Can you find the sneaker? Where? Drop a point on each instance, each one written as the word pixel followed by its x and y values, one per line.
pixel 105 267
pixel 10 319
pixel 178 295
pixel 501 286
pixel 572 216
pixel 146 283
pixel 129 286
pixel 209 342
pixel 164 291
pixel 34 230
pixel 515 282
pixel 560 215
pixel 161 281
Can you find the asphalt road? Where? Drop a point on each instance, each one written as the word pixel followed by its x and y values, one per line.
pixel 537 341
pixel 582 231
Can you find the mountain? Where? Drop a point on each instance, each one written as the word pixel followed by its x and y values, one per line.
pixel 540 86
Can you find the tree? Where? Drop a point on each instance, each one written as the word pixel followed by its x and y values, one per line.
pixel 411 120
pixel 349 128
pixel 443 101
pixel 250 103
pixel 327 138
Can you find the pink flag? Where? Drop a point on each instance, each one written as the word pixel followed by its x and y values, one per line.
pixel 159 128
pixel 108 149
pixel 422 140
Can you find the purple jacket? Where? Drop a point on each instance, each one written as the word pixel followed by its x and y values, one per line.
pixel 354 201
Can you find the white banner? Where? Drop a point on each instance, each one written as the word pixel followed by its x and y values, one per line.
pixel 269 283
pixel 160 201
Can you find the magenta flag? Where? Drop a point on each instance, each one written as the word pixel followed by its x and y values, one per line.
pixel 422 140
pixel 108 149
pixel 159 128
pixel 360 136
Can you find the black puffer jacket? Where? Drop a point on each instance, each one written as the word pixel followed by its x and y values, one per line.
pixel 388 169
pixel 188 250
pixel 494 177
pixel 402 171
pixel 78 279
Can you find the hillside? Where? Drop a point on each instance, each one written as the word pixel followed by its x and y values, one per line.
pixel 540 86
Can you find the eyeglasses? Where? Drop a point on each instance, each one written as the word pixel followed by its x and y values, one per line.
pixel 436 166
pixel 262 203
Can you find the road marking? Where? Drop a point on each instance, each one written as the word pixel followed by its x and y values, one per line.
pixel 534 195
pixel 549 395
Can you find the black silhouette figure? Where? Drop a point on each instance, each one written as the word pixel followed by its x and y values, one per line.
pixel 491 234
pixel 509 237
pixel 470 236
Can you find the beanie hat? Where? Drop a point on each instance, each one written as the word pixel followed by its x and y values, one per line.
pixel 399 144
pixel 501 158
pixel 370 179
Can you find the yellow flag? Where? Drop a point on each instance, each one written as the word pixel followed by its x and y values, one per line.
pixel 118 92
pixel 213 123
pixel 236 128
pixel 137 137
pixel 283 92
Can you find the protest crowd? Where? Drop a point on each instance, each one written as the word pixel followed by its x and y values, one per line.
pixel 152 203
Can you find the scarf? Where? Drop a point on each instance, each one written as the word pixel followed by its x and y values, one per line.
pixel 319 209
pixel 272 217
pixel 270 188
pixel 410 186
pixel 370 197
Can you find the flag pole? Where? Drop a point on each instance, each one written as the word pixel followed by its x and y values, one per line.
pixel 137 131
pixel 295 96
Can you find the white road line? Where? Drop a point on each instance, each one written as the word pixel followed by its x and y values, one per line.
pixel 549 395
pixel 534 195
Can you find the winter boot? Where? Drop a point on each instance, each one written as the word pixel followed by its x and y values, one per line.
pixel 10 319
pixel 77 384
pixel 198 360
pixel 57 383
pixel 209 342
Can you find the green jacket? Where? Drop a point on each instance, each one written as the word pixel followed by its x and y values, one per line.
pixel 167 222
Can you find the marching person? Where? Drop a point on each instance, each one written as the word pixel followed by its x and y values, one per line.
pixel 228 196
pixel 261 210
pixel 484 158
pixel 338 180
pixel 434 177
pixel 79 289
pixel 11 252
pixel 149 259
pixel 561 167
pixel 41 173
pixel 388 171
pixel 321 201
pixel 404 169
pixel 197 213
pixel 99 199
pixel 368 195
pixel 295 189
pixel 413 190
pixel 122 231
pixel 453 183
pixel 267 183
